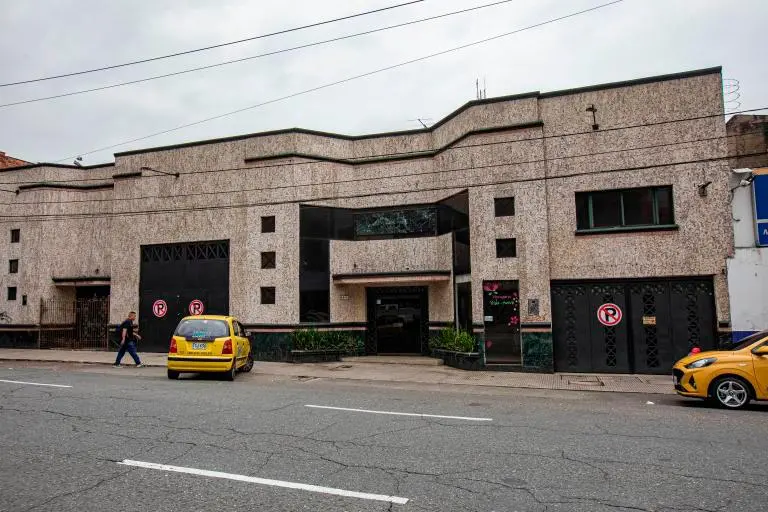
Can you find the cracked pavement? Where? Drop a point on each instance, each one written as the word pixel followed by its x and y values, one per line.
pixel 543 451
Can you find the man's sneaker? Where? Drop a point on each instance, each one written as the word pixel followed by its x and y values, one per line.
pixel 117 366
pixel 139 365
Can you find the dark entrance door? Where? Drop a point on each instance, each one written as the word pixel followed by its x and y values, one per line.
pixel 397 320
pixel 661 321
pixel 501 315
pixel 179 274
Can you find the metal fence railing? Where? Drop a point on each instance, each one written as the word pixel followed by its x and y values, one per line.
pixel 74 323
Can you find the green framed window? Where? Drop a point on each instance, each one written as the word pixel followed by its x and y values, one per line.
pixel 625 209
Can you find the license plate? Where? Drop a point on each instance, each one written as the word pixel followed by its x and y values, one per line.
pixel 199 346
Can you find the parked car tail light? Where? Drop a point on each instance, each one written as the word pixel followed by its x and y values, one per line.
pixel 227 346
pixel 173 349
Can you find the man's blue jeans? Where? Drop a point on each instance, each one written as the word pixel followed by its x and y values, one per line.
pixel 130 347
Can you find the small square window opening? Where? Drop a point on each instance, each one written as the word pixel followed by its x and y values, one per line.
pixel 506 248
pixel 268 259
pixel 267 294
pixel 268 224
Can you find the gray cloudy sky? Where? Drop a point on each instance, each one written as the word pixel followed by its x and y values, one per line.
pixel 634 38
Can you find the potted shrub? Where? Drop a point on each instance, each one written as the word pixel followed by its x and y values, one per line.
pixel 457 348
pixel 312 346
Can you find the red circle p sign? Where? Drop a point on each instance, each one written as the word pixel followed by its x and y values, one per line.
pixel 609 315
pixel 159 308
pixel 196 307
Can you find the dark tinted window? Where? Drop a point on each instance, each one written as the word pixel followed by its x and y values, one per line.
pixel 314 306
pixel 268 259
pixel 504 206
pixel 11 293
pixel 268 224
pixel 664 204
pixel 650 206
pixel 315 255
pixel 315 222
pixel 638 207
pixel 506 248
pixel 13 266
pixel 201 328
pixel 15 236
pixel 392 223
pixel 606 209
pixel 267 294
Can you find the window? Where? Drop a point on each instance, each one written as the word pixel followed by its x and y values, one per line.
pixel 268 224
pixel 15 236
pixel 11 293
pixel 396 223
pixel 506 248
pixel 198 328
pixel 504 206
pixel 267 294
pixel 268 259
pixel 23 300
pixel 13 266
pixel 630 208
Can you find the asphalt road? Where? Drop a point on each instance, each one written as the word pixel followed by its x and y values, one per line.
pixel 508 450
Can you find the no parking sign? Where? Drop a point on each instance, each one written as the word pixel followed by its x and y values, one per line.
pixel 196 307
pixel 609 315
pixel 159 308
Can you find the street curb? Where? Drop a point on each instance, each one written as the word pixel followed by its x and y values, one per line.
pixel 71 361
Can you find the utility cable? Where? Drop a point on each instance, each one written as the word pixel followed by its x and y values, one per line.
pixel 205 48
pixel 344 80
pixel 374 178
pixel 452 187
pixel 244 59
pixel 410 154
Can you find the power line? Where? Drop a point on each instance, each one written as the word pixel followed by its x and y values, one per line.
pixel 381 178
pixel 205 48
pixel 244 59
pixel 413 153
pixel 62 216
pixel 344 80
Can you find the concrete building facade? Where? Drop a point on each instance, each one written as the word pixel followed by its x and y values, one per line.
pixel 748 268
pixel 516 218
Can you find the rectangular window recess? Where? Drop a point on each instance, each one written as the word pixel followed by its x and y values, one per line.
pixel 268 259
pixel 506 248
pixel 626 229
pixel 504 206
pixel 268 224
pixel 268 294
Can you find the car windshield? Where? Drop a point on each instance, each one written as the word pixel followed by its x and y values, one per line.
pixel 749 340
pixel 200 328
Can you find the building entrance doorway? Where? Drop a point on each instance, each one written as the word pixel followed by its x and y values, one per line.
pixel 397 320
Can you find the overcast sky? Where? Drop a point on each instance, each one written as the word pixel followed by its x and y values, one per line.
pixel 634 38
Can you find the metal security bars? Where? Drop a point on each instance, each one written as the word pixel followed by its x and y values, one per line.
pixel 79 324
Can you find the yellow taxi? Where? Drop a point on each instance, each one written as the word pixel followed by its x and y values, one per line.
pixel 209 343
pixel 729 377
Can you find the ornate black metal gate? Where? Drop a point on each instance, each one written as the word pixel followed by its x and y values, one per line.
pixel 662 320
pixel 177 275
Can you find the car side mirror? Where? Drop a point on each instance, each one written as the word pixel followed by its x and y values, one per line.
pixel 761 350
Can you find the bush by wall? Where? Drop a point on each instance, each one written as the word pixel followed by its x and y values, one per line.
pixel 453 340
pixel 313 340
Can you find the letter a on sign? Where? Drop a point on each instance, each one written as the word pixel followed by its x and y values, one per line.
pixel 609 315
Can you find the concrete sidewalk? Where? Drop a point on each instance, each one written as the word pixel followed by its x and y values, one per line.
pixel 389 369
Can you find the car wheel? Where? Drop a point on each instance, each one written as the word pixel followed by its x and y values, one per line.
pixel 230 374
pixel 731 392
pixel 173 375
pixel 248 363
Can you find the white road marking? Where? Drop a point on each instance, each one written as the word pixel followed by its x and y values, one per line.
pixel 35 383
pixel 467 418
pixel 266 481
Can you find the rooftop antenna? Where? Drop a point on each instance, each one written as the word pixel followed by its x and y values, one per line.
pixel 421 120
pixel 481 93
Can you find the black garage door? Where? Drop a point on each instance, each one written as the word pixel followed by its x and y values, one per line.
pixel 176 278
pixel 660 322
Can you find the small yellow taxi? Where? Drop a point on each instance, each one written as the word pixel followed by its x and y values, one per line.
pixel 209 343
pixel 731 378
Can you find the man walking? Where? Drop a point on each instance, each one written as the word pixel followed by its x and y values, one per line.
pixel 127 338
